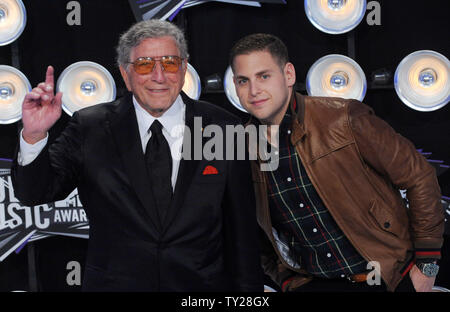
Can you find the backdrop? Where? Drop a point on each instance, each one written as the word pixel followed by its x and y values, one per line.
pixel 211 30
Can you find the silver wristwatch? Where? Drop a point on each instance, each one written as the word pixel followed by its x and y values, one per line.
pixel 429 269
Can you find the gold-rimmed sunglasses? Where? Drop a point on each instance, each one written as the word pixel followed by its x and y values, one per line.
pixel 145 65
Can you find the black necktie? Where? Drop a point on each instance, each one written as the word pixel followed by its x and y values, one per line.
pixel 159 166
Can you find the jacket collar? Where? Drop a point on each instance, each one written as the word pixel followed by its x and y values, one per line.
pixel 122 123
pixel 297 108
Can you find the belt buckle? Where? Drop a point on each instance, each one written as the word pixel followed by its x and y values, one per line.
pixel 357 278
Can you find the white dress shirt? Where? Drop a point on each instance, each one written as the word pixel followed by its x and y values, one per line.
pixel 173 122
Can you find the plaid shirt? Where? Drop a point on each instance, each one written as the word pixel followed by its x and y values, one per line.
pixel 302 220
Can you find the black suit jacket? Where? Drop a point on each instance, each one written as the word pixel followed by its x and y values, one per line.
pixel 207 242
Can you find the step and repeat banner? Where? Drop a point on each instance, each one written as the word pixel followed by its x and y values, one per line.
pixel 21 224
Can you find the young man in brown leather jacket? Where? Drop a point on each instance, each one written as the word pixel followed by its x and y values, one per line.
pixel 332 216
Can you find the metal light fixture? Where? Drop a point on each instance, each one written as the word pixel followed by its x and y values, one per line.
pixel 335 16
pixel 422 80
pixel 230 90
pixel 381 77
pixel 213 83
pixel 192 85
pixel 85 84
pixel 336 75
pixel 13 88
pixel 13 18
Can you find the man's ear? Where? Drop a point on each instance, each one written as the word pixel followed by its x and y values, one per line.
pixel 289 74
pixel 183 68
pixel 124 74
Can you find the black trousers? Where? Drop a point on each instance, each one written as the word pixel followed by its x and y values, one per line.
pixel 344 285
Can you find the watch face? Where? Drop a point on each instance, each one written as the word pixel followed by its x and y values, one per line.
pixel 430 269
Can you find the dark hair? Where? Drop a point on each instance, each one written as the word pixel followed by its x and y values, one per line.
pixel 261 42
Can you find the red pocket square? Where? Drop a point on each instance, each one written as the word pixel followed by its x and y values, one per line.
pixel 210 170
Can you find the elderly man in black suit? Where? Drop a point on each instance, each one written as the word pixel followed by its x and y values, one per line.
pixel 159 221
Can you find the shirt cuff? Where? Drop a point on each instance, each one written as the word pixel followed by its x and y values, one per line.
pixel 29 152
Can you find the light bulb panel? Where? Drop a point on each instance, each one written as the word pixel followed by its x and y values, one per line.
pixel 85 84
pixel 335 16
pixel 422 80
pixel 336 75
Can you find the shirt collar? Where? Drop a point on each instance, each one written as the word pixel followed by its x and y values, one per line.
pixel 172 120
pixel 286 122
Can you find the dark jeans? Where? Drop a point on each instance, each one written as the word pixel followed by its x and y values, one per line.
pixel 344 285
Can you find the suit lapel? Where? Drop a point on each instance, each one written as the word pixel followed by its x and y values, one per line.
pixel 188 166
pixel 124 128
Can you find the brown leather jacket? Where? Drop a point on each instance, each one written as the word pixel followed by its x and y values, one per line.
pixel 357 163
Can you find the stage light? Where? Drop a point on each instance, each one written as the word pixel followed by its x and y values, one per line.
pixel 85 84
pixel 13 88
pixel 192 85
pixel 335 16
pixel 230 90
pixel 336 75
pixel 13 18
pixel 422 80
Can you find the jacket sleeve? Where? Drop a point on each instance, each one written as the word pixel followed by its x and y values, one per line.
pixel 396 159
pixel 55 171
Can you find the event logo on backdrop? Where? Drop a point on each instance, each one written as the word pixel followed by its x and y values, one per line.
pixel 161 9
pixel 20 224
pixel 167 9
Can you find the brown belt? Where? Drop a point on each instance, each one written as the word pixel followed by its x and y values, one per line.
pixel 358 278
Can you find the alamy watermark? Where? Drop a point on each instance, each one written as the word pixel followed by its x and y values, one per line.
pixel 374 276
pixel 230 142
pixel 373 18
pixel 73 278
pixel 74 16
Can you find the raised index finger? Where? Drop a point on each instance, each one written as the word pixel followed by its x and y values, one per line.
pixel 49 79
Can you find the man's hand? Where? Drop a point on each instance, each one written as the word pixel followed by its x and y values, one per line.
pixel 421 282
pixel 41 108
